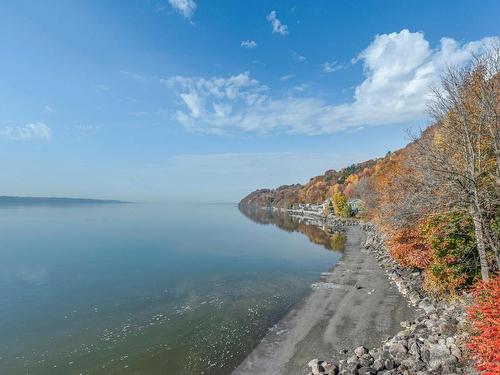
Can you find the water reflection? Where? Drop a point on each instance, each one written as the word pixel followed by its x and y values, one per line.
pixel 315 230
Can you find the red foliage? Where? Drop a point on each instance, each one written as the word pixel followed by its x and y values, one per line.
pixel 409 248
pixel 485 317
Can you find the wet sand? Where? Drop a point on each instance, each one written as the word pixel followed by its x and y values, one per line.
pixel 353 305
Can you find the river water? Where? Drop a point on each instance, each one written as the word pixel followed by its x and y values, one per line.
pixel 146 288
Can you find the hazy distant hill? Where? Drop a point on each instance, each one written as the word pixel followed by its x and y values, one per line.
pixel 33 201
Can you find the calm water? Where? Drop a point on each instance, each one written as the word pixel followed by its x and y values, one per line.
pixel 147 289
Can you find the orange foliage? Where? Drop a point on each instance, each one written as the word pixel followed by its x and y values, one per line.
pixel 485 317
pixel 409 248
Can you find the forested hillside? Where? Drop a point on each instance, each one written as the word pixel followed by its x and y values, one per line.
pixel 437 200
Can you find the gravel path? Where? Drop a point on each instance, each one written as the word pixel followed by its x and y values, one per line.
pixel 354 304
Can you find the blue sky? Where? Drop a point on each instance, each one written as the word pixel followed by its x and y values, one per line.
pixel 209 100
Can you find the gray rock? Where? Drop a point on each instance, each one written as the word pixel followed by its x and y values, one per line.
pixel 414 365
pixel 352 359
pixel 397 351
pixel 367 371
pixel 425 354
pixel 449 365
pixel 366 360
pixel 438 353
pixel 455 350
pixel 427 306
pixel 330 368
pixel 414 350
pixel 450 341
pixel 385 355
pixel 360 350
pixel 389 364
pixel 314 366
pixel 445 328
pixel 414 298
pixel 352 368
pixel 378 364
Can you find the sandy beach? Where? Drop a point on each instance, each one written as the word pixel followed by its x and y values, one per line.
pixel 353 304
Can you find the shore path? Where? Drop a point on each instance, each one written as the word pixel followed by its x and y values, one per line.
pixel 353 305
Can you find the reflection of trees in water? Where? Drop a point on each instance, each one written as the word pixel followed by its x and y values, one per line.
pixel 322 236
pixel 338 240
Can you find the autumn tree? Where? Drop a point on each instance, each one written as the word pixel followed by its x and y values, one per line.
pixel 340 205
pixel 461 154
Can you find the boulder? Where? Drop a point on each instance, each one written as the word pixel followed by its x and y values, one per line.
pixel 414 350
pixel 455 350
pixel 360 350
pixel 330 368
pixel 378 364
pixel 352 368
pixel 389 364
pixel 398 351
pixel 438 354
pixel 449 365
pixel 315 366
pixel 367 371
pixel 352 359
pixel 366 360
pixel 427 306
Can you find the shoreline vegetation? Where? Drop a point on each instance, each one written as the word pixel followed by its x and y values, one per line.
pixel 432 217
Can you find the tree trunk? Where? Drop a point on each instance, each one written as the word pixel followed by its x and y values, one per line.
pixel 480 241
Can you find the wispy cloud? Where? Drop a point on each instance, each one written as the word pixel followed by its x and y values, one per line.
pixel 330 67
pixel 100 87
pixel 302 87
pixel 399 69
pixel 287 77
pixel 248 44
pixel 87 129
pixel 37 130
pixel 138 77
pixel 185 8
pixel 139 113
pixel 130 99
pixel 298 57
pixel 48 109
pixel 160 8
pixel 276 24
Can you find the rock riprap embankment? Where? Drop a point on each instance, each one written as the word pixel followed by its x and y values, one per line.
pixel 430 344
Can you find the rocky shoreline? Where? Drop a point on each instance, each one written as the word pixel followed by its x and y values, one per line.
pixel 432 343
pixel 351 304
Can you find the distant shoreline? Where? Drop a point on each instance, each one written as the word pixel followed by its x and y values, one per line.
pixel 53 201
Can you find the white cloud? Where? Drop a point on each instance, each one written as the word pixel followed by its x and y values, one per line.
pixel 48 109
pixel 287 77
pixel 37 130
pixel 184 7
pixel 278 27
pixel 214 98
pixel 330 67
pixel 399 69
pixel 298 57
pixel 302 87
pixel 249 44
